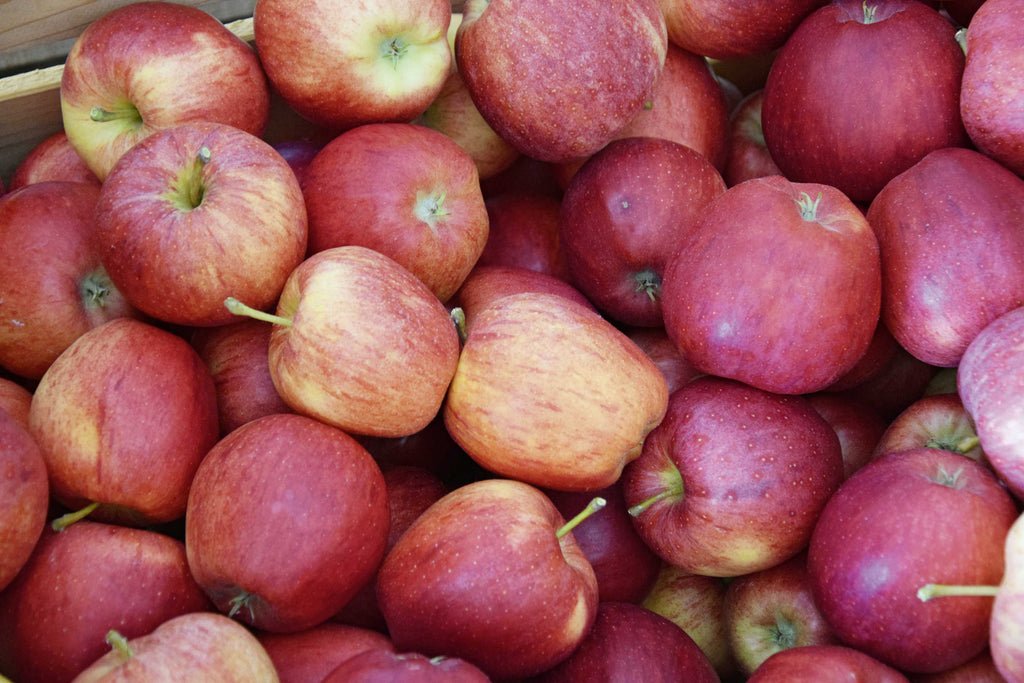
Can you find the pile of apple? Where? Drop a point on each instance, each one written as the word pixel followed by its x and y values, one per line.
pixel 520 343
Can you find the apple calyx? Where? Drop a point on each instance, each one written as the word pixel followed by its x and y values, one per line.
pixel 808 207
pixel 429 208
pixel 64 521
pixel 593 506
pixel 950 479
pixel 95 287
pixel 188 189
pixel 939 590
pixel 243 599
pixel 394 48
pixel 782 634
pixel 649 282
pixel 128 112
pixel 869 12
pixel 238 308
pixel 119 644
pixel 960 446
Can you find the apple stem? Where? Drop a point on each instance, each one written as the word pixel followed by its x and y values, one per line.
pixel 937 590
pixel 64 521
pixel 101 115
pixel 593 506
pixel 458 317
pixel 640 507
pixel 808 206
pixel 961 39
pixel 119 643
pixel 204 155
pixel 238 308
pixel 962 446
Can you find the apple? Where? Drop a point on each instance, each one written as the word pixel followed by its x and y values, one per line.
pixel 53 158
pixel 558 84
pixel 432 449
pixel 385 665
pixel 526 174
pixel 123 418
pixel 904 520
pixel 778 285
pixel 311 531
pixel 951 199
pixel 523 232
pixel 342 64
pixel 625 567
pixel 725 30
pixel 307 656
pixel 893 385
pixel 771 610
pixel 490 573
pixel 360 343
pixel 548 392
pixel 148 66
pixel 695 603
pixel 81 582
pixel 404 190
pixel 25 496
pixel 858 425
pixel 655 342
pixel 824 664
pixel 53 287
pixel 990 375
pixel 935 421
pixel 630 643
pixel 624 213
pixel 196 213
pixel 190 646
pixel 980 669
pixel 733 479
pixel 748 156
pixel 15 399
pixel 990 90
pixel 860 91
pixel 298 152
pixel 236 355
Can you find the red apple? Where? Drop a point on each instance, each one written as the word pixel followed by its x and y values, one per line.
pixel 935 421
pixel 630 643
pixel 952 199
pixel 901 521
pixel 307 656
pixel 360 343
pixel 748 155
pixel 622 217
pixel 236 356
pixel 894 385
pixel 549 392
pixel 196 213
pixel 523 232
pixel 1004 628
pixel 52 159
pixel 707 490
pixel 824 664
pixel 990 90
pixel 311 531
pixel 187 647
pixel 24 496
pixel 526 174
pixel 432 448
pixel 123 418
pixel 298 152
pixel 980 669
pixel 16 399
pixel 655 342
pixel 490 573
pixel 148 66
pixel 778 285
pixel 990 378
pixel 385 666
pixel 83 581
pixel 858 426
pixel 406 191
pixel 558 83
pixel 860 92
pixel 342 64
pixel 53 287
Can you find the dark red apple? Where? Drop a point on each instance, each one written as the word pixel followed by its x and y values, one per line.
pixel 824 664
pixel 385 666
pixel 523 232
pixel 748 155
pixel 24 496
pixel 16 399
pixel 307 656
pixel 858 426
pixel 656 343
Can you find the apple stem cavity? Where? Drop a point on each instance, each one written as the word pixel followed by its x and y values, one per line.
pixel 593 506
pixel 119 643
pixel 647 281
pixel 808 206
pixel 938 590
pixel 238 308
pixel 64 521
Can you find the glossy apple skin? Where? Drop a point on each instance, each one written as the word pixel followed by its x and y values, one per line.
pixel 566 95
pixel 951 201
pixel 902 521
pixel 629 642
pixel 748 155
pixel 53 158
pixel 549 392
pixel 385 666
pixel 523 232
pixel 370 349
pixel 725 449
pixel 824 664
pixel 741 301
pixel 83 581
pixel 989 101
pixel 934 421
pixel 53 287
pixel 303 480
pixel 439 592
pixel 853 104
pixel 190 646
pixel 989 377
pixel 331 61
pixel 173 63
pixel 24 496
pixel 307 656
pixel 622 217
pixel 404 190
pixel 123 417
pixel 176 258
